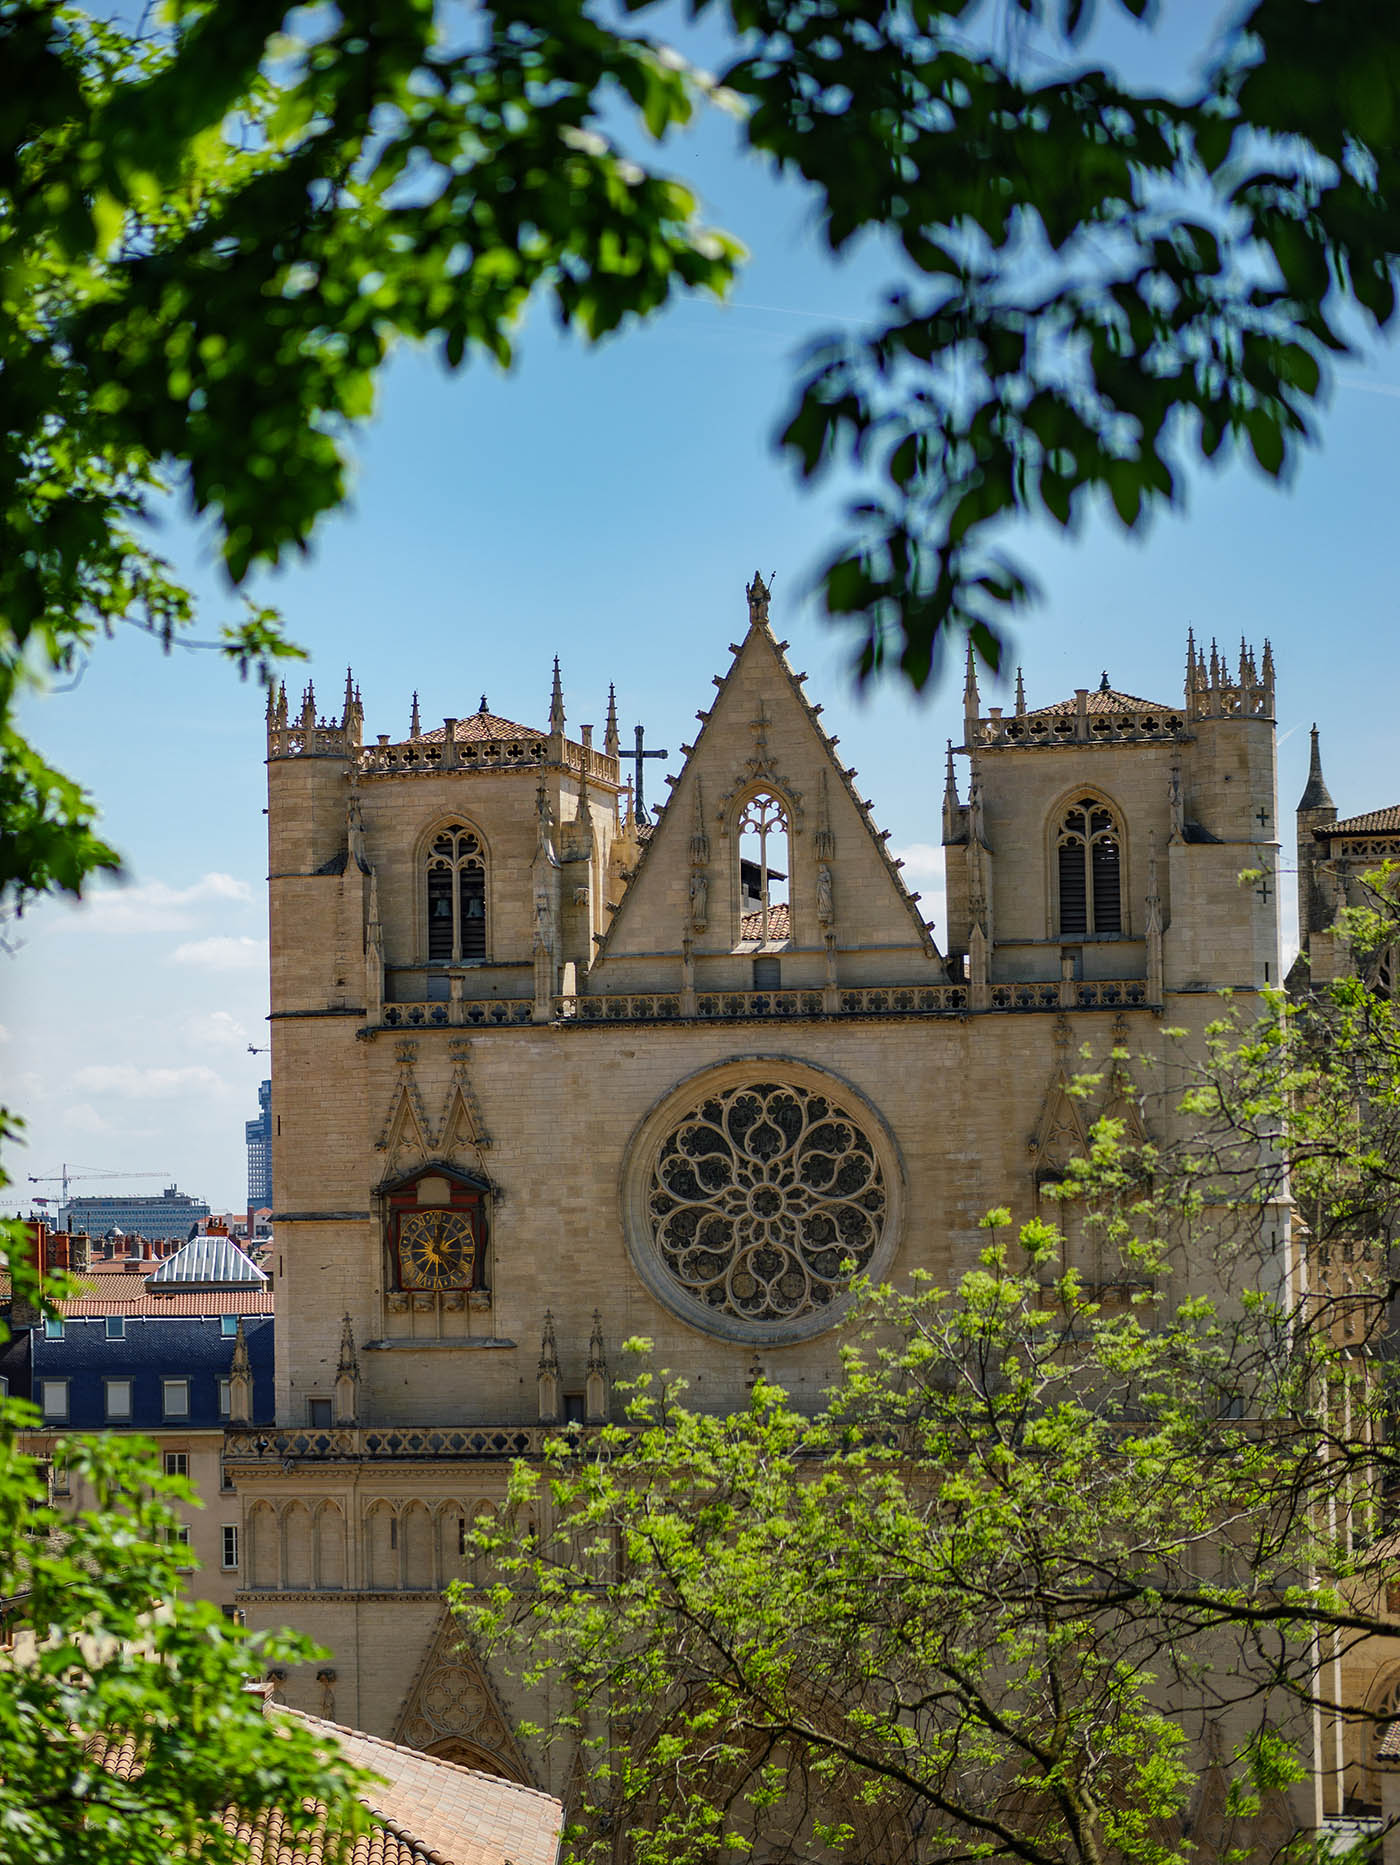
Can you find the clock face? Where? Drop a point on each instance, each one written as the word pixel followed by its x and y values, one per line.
pixel 437 1250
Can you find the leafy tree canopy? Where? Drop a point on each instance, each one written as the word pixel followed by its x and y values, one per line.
pixel 126 1729
pixel 1065 1538
pixel 214 228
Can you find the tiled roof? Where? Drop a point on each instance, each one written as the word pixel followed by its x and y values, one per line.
pixel 1374 822
pixel 426 1811
pixel 481 725
pixel 779 924
pixel 1389 1748
pixel 208 1262
pixel 124 1292
pixel 1101 701
pixel 452 1812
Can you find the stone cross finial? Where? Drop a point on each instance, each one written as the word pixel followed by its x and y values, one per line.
pixel 758 594
pixel 415 730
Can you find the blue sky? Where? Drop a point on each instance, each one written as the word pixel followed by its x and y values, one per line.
pixel 608 507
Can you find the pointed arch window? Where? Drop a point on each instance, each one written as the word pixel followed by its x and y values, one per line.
pixel 1089 856
pixel 763 844
pixel 456 885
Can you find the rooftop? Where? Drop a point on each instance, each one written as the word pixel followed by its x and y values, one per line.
pixel 481 725
pixel 1100 699
pixel 205 1263
pixel 1374 822
pixel 426 1811
pixel 126 1292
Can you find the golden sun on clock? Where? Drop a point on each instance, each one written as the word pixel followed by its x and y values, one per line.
pixel 437 1250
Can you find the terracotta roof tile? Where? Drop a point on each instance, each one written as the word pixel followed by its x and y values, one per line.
pixel 426 1811
pixel 1389 1746
pixel 1374 822
pixel 124 1292
pixel 779 924
pixel 481 725
pixel 1100 701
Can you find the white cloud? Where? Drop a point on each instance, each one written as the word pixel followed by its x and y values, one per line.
pixel 80 1118
pixel 152 906
pixel 217 1030
pixel 223 953
pixel 130 1083
pixel 4 1034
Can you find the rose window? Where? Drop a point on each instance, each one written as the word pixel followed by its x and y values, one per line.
pixel 764 1201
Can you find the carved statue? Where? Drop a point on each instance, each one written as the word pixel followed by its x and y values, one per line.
pixel 826 906
pixel 1178 807
pixel 699 897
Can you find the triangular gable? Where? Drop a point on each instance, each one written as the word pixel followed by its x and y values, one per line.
pixel 1060 1134
pixel 453 1701
pixel 406 1128
pixel 461 1129
pixel 762 731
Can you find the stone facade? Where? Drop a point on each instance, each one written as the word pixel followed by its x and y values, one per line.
pixel 481 1190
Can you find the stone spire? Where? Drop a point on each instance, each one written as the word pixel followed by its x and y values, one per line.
pixel 972 702
pixel 415 730
pixel 1317 893
pixel 1316 795
pixel 952 809
pixel 556 703
pixel 347 1377
pixel 551 1387
pixel 595 1401
pixel 1020 695
pixel 240 1380
pixel 611 742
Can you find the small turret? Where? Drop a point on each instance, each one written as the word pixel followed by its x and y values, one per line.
pixel 1316 906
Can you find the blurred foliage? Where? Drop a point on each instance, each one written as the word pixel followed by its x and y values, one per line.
pixel 215 225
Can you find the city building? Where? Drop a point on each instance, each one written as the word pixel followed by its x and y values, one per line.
pixel 501 996
pixel 258 1136
pixel 172 1215
pixel 165 1348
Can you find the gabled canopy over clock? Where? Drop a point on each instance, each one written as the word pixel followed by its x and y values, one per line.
pixel 435 1230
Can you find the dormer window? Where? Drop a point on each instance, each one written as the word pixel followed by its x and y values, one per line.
pixel 456 881
pixel 1089 857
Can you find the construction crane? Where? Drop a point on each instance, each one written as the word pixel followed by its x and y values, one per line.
pixel 65 1174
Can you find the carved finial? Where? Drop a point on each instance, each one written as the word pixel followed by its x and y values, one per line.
pixel 952 826
pixel 282 704
pixel 349 706
pixel 556 702
pixel 972 703
pixel 308 706
pixel 1190 660
pixel 758 594
pixel 240 1363
pixel 1214 665
pixel 549 1352
pixel 348 1362
pixel 240 1380
pixel 483 707
pixel 1104 687
pixel 1244 662
pixel 415 730
pixel 595 1396
pixel 611 742
pixel 1268 665
pixel 1020 695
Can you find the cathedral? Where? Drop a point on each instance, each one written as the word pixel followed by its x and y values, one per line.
pixel 551 1070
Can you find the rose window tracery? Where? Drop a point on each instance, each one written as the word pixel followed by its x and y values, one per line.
pixel 764 1200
